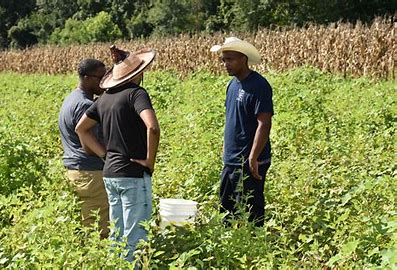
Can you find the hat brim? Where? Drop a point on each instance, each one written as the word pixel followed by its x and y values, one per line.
pixel 108 81
pixel 240 46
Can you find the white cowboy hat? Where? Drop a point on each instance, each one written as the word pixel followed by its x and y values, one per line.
pixel 238 45
pixel 126 66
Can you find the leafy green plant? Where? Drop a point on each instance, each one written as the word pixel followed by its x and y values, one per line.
pixel 330 191
pixel 97 29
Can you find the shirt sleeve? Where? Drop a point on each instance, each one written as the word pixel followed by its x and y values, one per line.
pixel 92 112
pixel 80 109
pixel 264 101
pixel 140 101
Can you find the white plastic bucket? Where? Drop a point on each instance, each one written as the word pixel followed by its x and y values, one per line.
pixel 177 211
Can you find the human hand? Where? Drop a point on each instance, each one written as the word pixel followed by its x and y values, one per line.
pixel 144 162
pixel 253 165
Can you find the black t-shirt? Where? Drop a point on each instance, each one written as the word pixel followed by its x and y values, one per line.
pixel 124 131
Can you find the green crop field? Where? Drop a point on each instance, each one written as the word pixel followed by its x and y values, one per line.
pixel 331 191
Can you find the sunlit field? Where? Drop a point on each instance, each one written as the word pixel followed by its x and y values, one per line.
pixel 331 191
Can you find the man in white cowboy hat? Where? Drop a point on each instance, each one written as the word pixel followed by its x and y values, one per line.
pixel 84 170
pixel 246 148
pixel 131 137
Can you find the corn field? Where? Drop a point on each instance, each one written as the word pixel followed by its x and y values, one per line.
pixel 344 48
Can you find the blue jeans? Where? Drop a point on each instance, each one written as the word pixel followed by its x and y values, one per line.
pixel 130 202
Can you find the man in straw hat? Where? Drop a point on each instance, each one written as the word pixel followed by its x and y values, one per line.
pixel 246 148
pixel 131 137
pixel 84 170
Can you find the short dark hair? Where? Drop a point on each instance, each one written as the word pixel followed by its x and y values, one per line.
pixel 88 66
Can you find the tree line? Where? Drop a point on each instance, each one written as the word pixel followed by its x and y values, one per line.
pixel 28 22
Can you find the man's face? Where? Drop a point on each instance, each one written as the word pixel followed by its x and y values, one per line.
pixel 95 79
pixel 234 62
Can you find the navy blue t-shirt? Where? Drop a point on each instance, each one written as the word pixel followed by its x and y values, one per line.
pixel 74 156
pixel 244 101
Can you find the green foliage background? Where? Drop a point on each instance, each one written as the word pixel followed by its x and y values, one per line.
pixel 331 191
pixel 29 22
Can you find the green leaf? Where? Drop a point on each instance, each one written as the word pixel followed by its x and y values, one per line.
pixel 158 253
pixel 349 247
pixel 334 260
pixel 3 260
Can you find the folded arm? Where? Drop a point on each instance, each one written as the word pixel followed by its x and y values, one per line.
pixel 87 138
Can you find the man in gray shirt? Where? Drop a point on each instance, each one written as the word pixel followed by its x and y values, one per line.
pixel 84 170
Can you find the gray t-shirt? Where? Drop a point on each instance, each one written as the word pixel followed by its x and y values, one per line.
pixel 74 156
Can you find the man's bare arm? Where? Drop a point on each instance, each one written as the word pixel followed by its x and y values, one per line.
pixel 153 137
pixel 87 139
pixel 261 137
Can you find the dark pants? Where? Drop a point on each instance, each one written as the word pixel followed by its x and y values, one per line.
pixel 238 186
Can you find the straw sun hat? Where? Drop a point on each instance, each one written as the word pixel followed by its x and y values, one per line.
pixel 126 66
pixel 238 45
